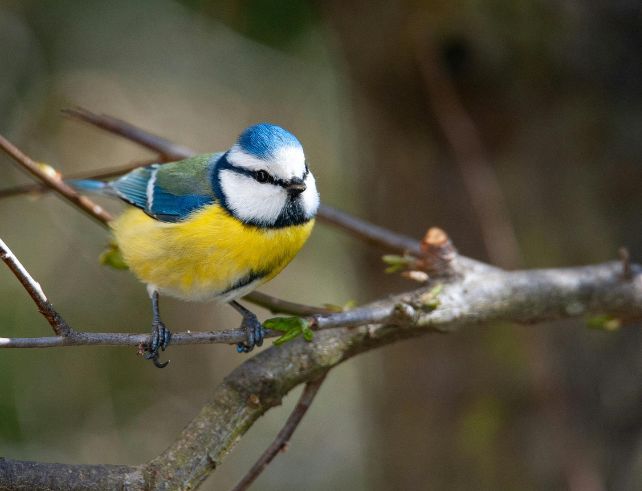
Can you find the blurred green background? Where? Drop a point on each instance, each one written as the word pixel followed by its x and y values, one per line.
pixel 554 89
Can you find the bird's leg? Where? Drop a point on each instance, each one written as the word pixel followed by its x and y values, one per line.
pixel 160 334
pixel 252 327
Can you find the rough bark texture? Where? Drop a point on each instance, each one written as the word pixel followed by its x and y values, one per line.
pixel 524 297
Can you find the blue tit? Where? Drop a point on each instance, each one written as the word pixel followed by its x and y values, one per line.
pixel 215 226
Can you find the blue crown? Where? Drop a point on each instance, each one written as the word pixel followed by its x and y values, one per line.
pixel 264 139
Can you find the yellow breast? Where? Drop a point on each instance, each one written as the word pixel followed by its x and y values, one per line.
pixel 206 256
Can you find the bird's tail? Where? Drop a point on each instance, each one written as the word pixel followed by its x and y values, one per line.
pixel 90 186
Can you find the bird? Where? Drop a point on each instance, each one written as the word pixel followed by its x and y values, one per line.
pixel 214 226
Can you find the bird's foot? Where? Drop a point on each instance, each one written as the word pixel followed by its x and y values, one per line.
pixel 254 333
pixel 161 337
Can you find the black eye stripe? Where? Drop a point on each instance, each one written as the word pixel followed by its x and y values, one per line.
pixel 254 174
pixel 264 176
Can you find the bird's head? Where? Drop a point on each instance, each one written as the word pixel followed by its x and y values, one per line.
pixel 263 180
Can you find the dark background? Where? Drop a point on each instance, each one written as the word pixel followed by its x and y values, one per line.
pixel 514 125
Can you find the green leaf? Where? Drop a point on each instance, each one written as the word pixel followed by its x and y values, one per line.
pixel 292 327
pixel 284 324
pixel 288 336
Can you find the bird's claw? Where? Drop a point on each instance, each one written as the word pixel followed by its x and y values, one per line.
pixel 161 337
pixel 254 333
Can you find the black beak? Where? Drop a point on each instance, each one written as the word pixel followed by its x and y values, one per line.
pixel 295 187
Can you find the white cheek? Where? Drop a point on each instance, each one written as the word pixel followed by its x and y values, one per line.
pixel 250 200
pixel 310 196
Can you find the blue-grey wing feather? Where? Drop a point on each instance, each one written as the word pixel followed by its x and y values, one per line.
pixel 169 192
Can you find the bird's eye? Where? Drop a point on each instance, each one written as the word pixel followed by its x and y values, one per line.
pixel 262 176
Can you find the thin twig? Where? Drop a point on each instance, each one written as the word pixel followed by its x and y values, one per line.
pixel 38 188
pixel 367 314
pixel 66 336
pixel 169 150
pixel 524 297
pixel 58 324
pixel 55 183
pixel 369 232
pixel 280 443
pixel 277 305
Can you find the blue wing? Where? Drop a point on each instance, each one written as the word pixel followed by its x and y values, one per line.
pixel 169 192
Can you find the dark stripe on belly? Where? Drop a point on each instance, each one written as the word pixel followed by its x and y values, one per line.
pixel 245 280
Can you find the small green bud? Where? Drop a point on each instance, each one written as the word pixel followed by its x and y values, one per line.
pixel 397 263
pixel 430 299
pixel 112 257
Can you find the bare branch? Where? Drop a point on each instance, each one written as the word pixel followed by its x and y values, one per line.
pixel 479 298
pixel 16 474
pixel 281 441
pixel 166 148
pixel 277 305
pixel 55 183
pixel 478 295
pixel 66 336
pixel 60 327
pixel 38 188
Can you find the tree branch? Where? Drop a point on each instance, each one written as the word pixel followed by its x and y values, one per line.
pixel 58 324
pixel 70 337
pixel 281 441
pixel 55 183
pixel 478 294
pixel 95 174
pixel 170 151
pixel 523 297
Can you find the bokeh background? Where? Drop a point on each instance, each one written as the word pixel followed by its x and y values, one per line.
pixel 515 126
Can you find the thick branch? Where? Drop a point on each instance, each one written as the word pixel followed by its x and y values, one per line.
pixel 261 382
pixel 15 474
pixel 477 295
